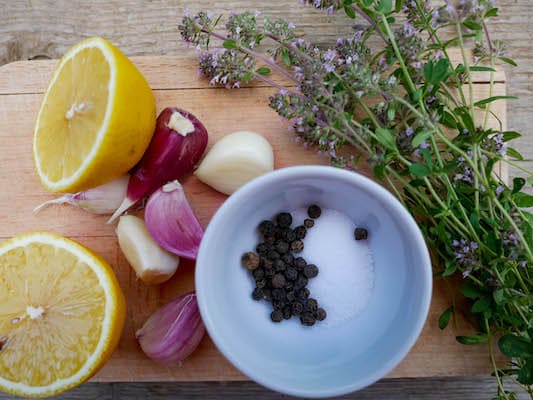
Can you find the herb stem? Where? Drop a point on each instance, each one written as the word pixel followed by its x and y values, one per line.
pixel 369 20
pixel 410 85
pixel 501 390
pixel 466 64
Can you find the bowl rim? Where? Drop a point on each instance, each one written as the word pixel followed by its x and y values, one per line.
pixel 374 189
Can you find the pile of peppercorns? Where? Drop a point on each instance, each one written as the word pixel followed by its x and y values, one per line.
pixel 280 277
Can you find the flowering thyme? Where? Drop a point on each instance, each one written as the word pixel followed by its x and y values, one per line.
pixel 407 111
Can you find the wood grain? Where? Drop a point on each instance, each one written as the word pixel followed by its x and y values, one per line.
pixel 222 111
pixel 45 29
pixel 457 388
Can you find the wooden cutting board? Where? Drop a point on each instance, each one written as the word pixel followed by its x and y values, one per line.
pixel 175 82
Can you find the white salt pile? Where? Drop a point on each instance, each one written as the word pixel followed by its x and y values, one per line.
pixel 346 273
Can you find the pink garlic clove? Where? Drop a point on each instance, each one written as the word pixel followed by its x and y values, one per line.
pixel 173 332
pixel 171 221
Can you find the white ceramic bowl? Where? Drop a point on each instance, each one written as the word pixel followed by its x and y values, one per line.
pixel 315 361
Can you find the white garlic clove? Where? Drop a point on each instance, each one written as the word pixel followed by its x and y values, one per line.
pixel 235 160
pixel 152 263
pixel 103 199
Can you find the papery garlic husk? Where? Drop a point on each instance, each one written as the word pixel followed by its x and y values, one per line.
pixel 103 199
pixel 151 263
pixel 173 332
pixel 171 221
pixel 234 160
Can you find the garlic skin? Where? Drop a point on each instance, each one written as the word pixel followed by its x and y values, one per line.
pixel 103 199
pixel 171 221
pixel 152 264
pixel 234 160
pixel 173 332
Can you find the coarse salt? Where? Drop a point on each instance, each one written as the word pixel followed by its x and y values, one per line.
pixel 345 280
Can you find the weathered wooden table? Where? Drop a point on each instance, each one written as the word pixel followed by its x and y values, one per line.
pixel 42 29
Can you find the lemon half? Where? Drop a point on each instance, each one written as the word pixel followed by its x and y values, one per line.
pixel 61 314
pixel 96 118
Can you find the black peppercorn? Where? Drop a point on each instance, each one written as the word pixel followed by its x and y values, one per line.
pixel 269 273
pixel 299 263
pixel 320 314
pixel 287 312
pixel 300 282
pixel 250 260
pixel 314 211
pixel 310 270
pixel 278 281
pixel 297 308
pixel 267 264
pixel 262 248
pixel 259 273
pixel 284 219
pixel 257 294
pixel 290 236
pixel 270 239
pixel 291 296
pixel 273 255
pixel 297 246
pixel 288 258
pixel 303 294
pixel 300 232
pixel 276 316
pixel 261 283
pixel 312 305
pixel 281 246
pixel 361 234
pixel 309 223
pixel 278 304
pixel 267 294
pixel 266 228
pixel 291 273
pixel 307 319
pixel 278 294
pixel 283 232
pixel 279 265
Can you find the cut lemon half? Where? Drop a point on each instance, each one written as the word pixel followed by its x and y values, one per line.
pixel 61 314
pixel 96 118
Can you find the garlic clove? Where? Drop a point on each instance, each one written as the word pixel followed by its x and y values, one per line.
pixel 171 221
pixel 104 199
pixel 234 160
pixel 173 332
pixel 152 264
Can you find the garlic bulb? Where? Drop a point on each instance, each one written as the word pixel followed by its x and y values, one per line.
pixel 173 332
pixel 151 263
pixel 102 199
pixel 234 160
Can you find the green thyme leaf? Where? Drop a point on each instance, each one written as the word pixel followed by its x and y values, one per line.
pixel 486 101
pixel 384 136
pixel 481 68
pixel 523 200
pixel 518 184
pixel 514 154
pixel 444 318
pixel 263 71
pixel 472 339
pixel 515 346
pixel 419 170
